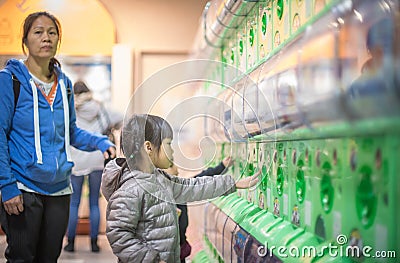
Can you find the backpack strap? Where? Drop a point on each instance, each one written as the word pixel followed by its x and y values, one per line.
pixel 16 88
pixel 69 91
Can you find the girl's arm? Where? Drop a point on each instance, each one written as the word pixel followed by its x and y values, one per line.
pixel 203 188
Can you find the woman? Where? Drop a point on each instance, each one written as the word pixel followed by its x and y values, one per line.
pixel 36 131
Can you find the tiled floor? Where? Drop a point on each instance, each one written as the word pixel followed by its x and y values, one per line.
pixel 83 252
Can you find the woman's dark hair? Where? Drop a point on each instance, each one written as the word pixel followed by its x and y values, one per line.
pixel 140 128
pixel 27 27
pixel 80 87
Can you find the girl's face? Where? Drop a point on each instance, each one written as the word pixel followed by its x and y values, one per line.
pixel 164 158
pixel 42 39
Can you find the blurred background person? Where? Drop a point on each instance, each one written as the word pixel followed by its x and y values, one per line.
pixel 377 76
pixel 92 116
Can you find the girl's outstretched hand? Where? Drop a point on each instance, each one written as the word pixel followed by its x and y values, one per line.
pixel 249 181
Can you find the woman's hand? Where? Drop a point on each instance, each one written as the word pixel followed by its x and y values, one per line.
pixel 249 181
pixel 14 206
pixel 111 153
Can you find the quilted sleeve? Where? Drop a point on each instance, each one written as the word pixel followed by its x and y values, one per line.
pixel 201 188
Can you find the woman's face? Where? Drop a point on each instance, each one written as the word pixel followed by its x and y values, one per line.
pixel 42 39
pixel 164 159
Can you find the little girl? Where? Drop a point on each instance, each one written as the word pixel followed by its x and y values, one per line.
pixel 142 220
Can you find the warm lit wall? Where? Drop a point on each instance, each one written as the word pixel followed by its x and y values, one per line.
pixel 152 34
pixel 156 24
pixel 87 27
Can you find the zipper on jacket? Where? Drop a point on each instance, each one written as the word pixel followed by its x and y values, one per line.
pixel 54 131
pixel 54 128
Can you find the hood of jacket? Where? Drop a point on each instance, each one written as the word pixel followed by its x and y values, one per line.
pixel 113 177
pixel 18 68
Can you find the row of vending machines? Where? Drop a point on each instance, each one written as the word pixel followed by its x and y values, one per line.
pixel 308 92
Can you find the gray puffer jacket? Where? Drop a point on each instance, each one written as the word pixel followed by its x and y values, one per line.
pixel 142 221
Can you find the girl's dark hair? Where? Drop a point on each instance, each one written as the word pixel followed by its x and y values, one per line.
pixel 140 128
pixel 27 27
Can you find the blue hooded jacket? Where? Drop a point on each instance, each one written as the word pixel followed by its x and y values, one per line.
pixel 34 141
